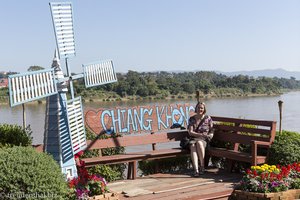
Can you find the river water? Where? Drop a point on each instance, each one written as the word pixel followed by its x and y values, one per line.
pixel 265 108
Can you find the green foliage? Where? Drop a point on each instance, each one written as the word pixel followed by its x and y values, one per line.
pixel 15 135
pixel 109 172
pixel 285 149
pixel 157 84
pixel 167 165
pixel 35 68
pixel 4 92
pixel 27 172
pixel 4 95
pixel 296 183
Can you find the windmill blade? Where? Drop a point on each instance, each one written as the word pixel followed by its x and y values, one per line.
pixel 31 86
pixel 63 27
pixel 99 73
pixel 76 124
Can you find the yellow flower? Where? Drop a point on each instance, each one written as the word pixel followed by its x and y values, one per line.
pixel 265 168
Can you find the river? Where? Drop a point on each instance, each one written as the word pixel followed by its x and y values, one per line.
pixel 265 108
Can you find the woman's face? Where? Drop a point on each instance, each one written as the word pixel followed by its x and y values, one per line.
pixel 200 109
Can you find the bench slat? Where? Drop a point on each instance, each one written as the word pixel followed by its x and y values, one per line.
pixel 129 140
pixel 234 155
pixel 237 138
pixel 137 156
pixel 243 129
pixel 243 121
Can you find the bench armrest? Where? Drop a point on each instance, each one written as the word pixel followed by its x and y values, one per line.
pixel 260 143
pixel 255 144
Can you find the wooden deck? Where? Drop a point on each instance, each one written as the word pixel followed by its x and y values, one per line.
pixel 214 184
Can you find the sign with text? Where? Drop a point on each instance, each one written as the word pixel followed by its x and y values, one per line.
pixel 138 119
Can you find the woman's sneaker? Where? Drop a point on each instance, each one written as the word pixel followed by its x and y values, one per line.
pixel 201 171
pixel 196 174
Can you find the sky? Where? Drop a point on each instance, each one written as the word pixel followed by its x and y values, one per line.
pixel 157 35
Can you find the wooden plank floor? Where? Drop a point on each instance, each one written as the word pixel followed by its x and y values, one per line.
pixel 214 184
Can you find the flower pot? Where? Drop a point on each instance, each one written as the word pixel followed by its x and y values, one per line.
pixel 286 195
pixel 106 196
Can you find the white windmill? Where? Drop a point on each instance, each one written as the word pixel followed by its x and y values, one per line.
pixel 64 124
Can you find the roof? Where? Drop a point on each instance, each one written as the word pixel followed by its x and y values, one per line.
pixel 3 82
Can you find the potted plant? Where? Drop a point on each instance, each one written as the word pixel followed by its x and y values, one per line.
pixel 269 182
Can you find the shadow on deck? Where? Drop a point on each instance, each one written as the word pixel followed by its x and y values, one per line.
pixel 214 184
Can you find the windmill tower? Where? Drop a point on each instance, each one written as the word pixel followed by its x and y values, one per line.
pixel 64 134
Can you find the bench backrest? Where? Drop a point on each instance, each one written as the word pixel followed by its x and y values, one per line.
pixel 243 131
pixel 136 140
pixel 234 130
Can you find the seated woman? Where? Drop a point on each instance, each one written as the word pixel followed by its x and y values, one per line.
pixel 200 129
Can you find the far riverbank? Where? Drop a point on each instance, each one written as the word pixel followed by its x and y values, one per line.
pixel 112 97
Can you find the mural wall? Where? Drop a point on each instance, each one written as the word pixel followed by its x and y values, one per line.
pixel 138 119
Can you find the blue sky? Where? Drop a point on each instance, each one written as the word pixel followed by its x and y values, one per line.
pixel 140 35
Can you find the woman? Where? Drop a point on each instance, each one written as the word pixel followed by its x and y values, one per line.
pixel 200 129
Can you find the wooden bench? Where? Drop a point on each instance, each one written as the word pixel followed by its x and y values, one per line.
pixel 139 140
pixel 256 133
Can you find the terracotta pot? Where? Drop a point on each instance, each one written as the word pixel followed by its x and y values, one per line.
pixel 106 196
pixel 286 195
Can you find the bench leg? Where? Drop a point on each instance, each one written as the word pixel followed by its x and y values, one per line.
pixel 230 165
pixel 129 173
pixel 206 161
pixel 156 168
pixel 132 170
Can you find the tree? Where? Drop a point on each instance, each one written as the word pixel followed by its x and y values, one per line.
pixel 188 87
pixel 35 68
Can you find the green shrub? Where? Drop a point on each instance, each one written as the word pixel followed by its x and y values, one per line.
pixel 296 183
pixel 109 172
pixel 15 135
pixel 167 165
pixel 285 149
pixel 30 174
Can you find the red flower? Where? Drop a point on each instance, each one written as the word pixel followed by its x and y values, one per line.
pixel 73 182
pixel 77 155
pixel 254 173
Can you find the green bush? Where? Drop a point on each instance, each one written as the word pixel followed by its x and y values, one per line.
pixel 168 165
pixel 109 172
pixel 296 183
pixel 285 149
pixel 30 175
pixel 15 135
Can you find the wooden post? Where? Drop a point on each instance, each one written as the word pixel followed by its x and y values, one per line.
pixel 198 95
pixel 24 116
pixel 280 115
